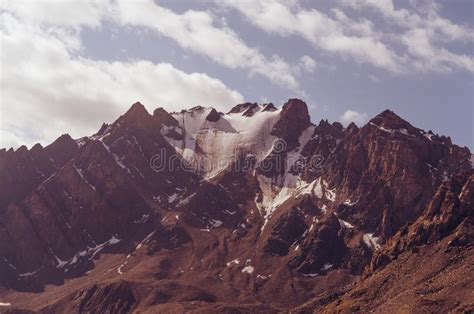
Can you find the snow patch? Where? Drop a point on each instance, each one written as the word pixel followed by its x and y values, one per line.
pixel 371 241
pixel 382 128
pixel 28 274
pixel 324 208
pixel 83 177
pixel 312 275
pixel 46 180
pixel 234 262
pixel 248 269
pixel 313 188
pixel 318 189
pixel 345 224
pixel 221 141
pixel 186 200
pixel 137 144
pixel 119 269
pixel 326 267
pixel 81 141
pixel 172 198
pixel 144 240
pixel 428 136
pixel 263 277
pixel 116 158
pixel 9 264
pixel 215 223
pixel 445 176
pixel 89 251
pixel 349 202
pixel 61 263
pixel 404 131
pixel 330 194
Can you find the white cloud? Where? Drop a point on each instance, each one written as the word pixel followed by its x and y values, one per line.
pixel 419 43
pixel 412 40
pixel 48 90
pixel 339 34
pixel 308 64
pixel 353 116
pixel 73 14
pixel 198 31
pixel 423 32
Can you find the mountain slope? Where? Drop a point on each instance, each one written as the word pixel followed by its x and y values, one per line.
pixel 426 267
pixel 254 209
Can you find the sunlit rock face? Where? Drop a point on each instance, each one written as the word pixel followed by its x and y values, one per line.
pixel 199 208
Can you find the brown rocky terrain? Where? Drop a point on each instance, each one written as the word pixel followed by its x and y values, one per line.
pixel 254 210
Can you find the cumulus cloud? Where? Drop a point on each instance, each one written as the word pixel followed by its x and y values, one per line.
pixel 308 64
pixel 198 31
pixel 353 116
pixel 339 34
pixel 422 33
pixel 71 14
pixel 49 89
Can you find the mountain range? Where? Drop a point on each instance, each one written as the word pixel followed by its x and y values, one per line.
pixel 254 210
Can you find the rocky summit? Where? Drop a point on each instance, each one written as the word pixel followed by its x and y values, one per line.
pixel 253 210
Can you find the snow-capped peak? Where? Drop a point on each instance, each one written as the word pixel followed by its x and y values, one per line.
pixel 245 130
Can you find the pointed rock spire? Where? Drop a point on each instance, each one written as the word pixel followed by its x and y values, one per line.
pixel 136 113
pixel 62 149
pixel 390 119
pixel 242 107
pixel 269 107
pixel 163 117
pixel 294 118
pixel 213 116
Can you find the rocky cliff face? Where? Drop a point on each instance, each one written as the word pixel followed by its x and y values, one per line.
pixel 256 207
pixel 426 267
pixel 448 215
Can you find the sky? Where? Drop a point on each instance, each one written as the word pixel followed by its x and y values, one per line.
pixel 67 66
